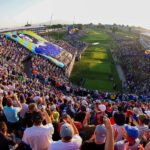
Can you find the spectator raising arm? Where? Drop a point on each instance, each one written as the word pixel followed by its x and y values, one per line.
pixel 17 101
pixel 47 117
pixel 109 144
pixel 69 120
pixel 85 121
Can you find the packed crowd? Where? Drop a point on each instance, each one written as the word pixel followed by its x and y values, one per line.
pixel 48 113
pixel 136 65
pixel 15 54
pixel 66 46
pixel 75 42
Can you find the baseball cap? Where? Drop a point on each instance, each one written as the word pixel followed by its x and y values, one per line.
pixel 66 130
pixel 100 133
pixel 132 132
pixel 53 107
pixel 102 107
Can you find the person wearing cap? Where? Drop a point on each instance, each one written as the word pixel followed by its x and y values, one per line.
pixel 102 138
pixel 100 113
pixel 98 143
pixel 131 141
pixel 39 136
pixel 70 139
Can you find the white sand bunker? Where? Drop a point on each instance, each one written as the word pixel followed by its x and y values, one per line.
pixel 95 43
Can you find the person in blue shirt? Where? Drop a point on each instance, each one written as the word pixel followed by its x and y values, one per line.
pixel 11 113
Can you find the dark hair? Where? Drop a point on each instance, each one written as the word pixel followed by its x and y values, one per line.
pixel 65 101
pixel 37 117
pixel 142 118
pixel 119 118
pixel 67 138
pixel 22 99
pixel 120 109
pixel 29 94
pixel 9 102
pixel 83 108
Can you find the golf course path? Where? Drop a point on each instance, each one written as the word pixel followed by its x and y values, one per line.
pixel 119 68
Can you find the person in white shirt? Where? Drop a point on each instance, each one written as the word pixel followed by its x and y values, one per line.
pixel 70 139
pixel 39 136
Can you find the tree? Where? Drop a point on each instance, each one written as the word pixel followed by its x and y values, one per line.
pixel 55 26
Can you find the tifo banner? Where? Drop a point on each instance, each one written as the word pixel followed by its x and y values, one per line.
pixel 22 41
pixel 34 35
pixel 39 45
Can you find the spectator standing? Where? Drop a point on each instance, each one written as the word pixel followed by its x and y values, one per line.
pixel 39 136
pixel 70 139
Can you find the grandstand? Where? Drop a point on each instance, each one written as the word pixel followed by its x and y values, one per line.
pixel 49 112
pixel 37 29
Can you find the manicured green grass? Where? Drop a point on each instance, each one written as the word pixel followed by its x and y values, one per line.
pixel 96 64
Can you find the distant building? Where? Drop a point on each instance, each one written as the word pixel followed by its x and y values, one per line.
pixel 38 29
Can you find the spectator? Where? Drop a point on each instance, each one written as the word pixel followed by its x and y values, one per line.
pixel 6 140
pixel 11 113
pixel 70 139
pixel 39 136
pixel 98 140
pixel 119 119
pixel 131 139
pixel 27 121
pixel 24 106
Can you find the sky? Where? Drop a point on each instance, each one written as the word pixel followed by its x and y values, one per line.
pixel 128 12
